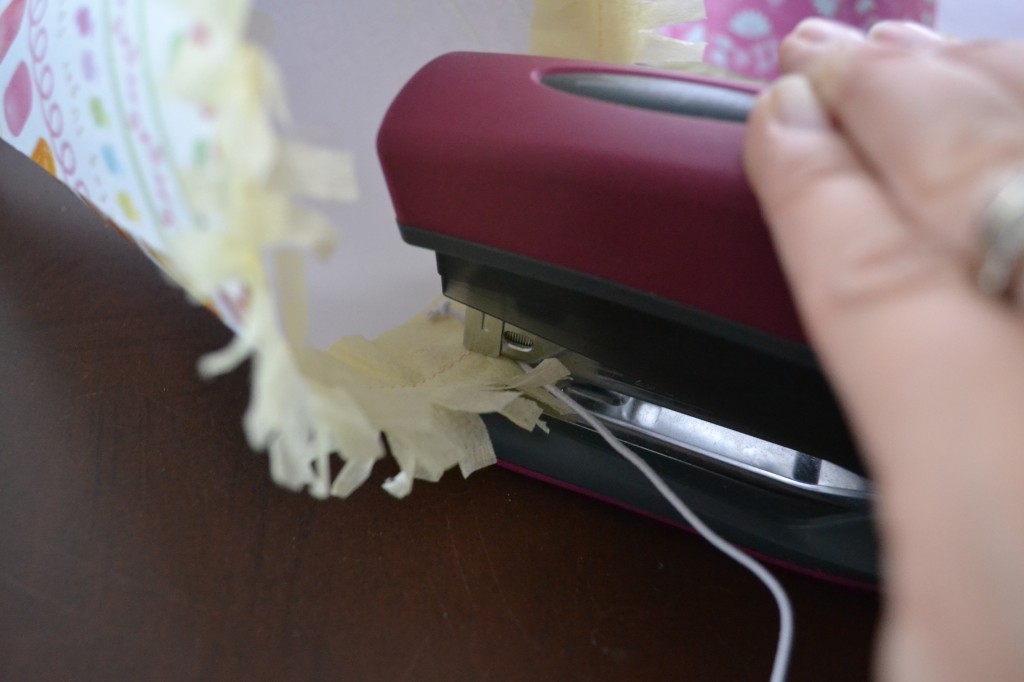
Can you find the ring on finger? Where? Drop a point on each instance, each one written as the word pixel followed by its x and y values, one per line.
pixel 1002 238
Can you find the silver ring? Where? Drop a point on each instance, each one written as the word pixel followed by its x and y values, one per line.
pixel 1002 238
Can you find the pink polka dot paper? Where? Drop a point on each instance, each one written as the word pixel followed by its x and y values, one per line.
pixel 743 36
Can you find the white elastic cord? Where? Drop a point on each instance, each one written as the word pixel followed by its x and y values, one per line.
pixel 784 648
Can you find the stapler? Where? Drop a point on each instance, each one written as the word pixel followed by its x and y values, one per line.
pixel 598 214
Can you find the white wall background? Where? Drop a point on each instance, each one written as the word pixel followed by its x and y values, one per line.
pixel 344 61
pixel 982 18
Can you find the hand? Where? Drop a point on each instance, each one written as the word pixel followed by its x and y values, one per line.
pixel 874 159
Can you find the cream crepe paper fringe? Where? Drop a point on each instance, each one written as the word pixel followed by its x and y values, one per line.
pixel 619 31
pixel 414 391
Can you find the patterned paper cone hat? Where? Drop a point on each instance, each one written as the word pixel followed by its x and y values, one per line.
pixel 166 117
pixel 743 36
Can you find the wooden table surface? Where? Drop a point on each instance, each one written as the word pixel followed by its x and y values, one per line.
pixel 140 539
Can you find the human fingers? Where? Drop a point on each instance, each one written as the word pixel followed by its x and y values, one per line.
pixel 937 121
pixel 919 356
pixel 815 37
pixel 906 34
pixel 812 39
pixel 929 370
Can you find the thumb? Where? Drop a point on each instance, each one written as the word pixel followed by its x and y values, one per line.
pixel 841 239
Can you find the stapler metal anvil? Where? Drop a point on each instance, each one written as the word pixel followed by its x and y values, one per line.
pixel 599 214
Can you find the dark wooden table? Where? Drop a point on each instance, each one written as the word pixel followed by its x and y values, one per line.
pixel 140 539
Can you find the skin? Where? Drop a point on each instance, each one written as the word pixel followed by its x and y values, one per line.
pixel 874 158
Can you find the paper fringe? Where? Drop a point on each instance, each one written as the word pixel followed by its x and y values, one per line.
pixel 413 392
pixel 416 384
pixel 618 31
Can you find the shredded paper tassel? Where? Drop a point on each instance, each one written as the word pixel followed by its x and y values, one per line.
pixel 619 31
pixel 413 391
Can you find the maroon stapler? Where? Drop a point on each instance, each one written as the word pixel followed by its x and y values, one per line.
pixel 599 214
